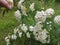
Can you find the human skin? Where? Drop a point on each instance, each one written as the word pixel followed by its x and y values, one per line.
pixel 4 3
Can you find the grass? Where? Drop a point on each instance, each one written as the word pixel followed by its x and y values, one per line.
pixel 8 22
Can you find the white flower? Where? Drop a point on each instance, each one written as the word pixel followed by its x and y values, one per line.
pixel 37 28
pixel 19 4
pixel 22 1
pixel 16 30
pixel 50 22
pixel 49 12
pixel 40 16
pixel 20 34
pixel 14 37
pixel 48 41
pixel 57 19
pixel 18 15
pixel 23 9
pixel 32 7
pixel 41 36
pixel 47 23
pixel 41 40
pixel 28 35
pixel 31 28
pixel 24 28
pixel 7 39
pixel 7 44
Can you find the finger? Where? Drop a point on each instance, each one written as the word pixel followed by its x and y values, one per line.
pixel 5 4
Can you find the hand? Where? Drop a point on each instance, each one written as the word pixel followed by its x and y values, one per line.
pixel 5 4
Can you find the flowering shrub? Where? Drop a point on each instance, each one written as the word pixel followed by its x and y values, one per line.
pixel 40 31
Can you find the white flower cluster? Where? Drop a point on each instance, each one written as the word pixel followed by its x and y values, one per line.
pixel 57 19
pixel 20 3
pixel 18 15
pixel 42 15
pixel 40 34
pixel 31 28
pixel 24 28
pixel 32 7
pixel 7 39
pixel 13 37
pixel 49 12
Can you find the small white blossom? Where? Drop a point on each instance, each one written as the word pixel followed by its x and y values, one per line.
pixel 50 28
pixel 24 28
pixel 49 12
pixel 16 30
pixel 7 39
pixel 48 41
pixel 57 19
pixel 32 7
pixel 28 35
pixel 40 16
pixel 31 28
pixel 20 34
pixel 37 28
pixel 14 37
pixel 23 9
pixel 22 1
pixel 42 35
pixel 19 4
pixel 50 22
pixel 47 23
pixel 18 15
